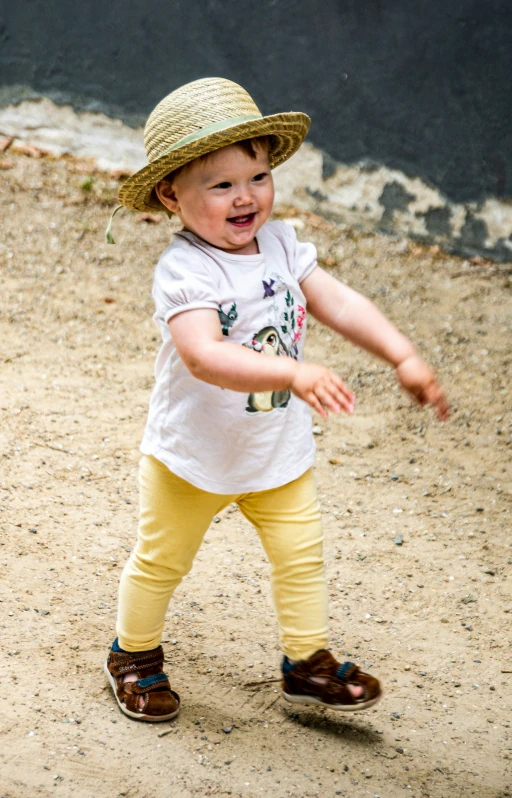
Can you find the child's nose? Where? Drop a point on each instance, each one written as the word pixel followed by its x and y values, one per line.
pixel 244 196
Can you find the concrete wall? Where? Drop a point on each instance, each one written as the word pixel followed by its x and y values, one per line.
pixel 417 88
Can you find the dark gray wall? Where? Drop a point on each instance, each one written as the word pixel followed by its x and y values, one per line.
pixel 420 85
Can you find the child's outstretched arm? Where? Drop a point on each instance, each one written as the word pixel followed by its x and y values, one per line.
pixel 361 322
pixel 207 354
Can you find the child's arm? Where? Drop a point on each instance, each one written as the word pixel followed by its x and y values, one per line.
pixel 356 318
pixel 198 338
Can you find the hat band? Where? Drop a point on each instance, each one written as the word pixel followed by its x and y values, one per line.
pixel 215 127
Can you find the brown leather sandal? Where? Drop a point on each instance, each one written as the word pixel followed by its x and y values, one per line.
pixel 323 681
pixel 160 702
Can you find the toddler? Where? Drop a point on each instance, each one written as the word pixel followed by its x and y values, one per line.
pixel 231 293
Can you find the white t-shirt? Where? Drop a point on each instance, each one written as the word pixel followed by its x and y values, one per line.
pixel 220 440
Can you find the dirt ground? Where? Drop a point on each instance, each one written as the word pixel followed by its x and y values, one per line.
pixel 431 617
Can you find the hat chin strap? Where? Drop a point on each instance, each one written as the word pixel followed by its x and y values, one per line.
pixel 215 127
pixel 109 238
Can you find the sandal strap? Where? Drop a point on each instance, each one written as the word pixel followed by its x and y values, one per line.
pixel 158 681
pixel 347 671
pixel 137 662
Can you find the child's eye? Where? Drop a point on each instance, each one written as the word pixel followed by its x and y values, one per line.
pixel 261 176
pixel 223 185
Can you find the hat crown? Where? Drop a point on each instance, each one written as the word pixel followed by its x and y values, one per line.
pixel 191 108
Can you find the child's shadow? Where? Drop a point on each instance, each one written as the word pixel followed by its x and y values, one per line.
pixel 354 733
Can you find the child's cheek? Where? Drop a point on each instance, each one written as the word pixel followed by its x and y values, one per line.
pixel 214 209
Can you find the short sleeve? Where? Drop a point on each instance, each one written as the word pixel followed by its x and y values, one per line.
pixel 305 259
pixel 182 282
pixel 302 256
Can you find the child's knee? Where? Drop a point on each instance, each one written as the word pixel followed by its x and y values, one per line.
pixel 301 569
pixel 153 568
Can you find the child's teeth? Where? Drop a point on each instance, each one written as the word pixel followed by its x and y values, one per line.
pixel 241 218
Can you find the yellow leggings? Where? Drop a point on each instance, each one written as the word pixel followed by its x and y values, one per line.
pixel 174 516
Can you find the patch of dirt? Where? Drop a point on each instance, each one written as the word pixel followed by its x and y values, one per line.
pixel 431 617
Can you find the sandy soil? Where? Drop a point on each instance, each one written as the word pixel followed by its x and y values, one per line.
pixel 431 617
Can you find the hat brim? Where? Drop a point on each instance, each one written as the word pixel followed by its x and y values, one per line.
pixel 288 131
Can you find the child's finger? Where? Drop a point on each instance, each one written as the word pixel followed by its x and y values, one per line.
pixel 342 387
pixel 438 400
pixel 345 400
pixel 331 396
pixel 433 395
pixel 316 404
pixel 443 410
pixel 329 399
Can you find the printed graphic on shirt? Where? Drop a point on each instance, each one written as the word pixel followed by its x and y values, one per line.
pixel 228 319
pixel 268 342
pixel 267 287
pixel 286 316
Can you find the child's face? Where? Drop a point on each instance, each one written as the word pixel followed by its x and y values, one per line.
pixel 224 199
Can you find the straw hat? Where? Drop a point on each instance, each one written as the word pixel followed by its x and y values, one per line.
pixel 201 117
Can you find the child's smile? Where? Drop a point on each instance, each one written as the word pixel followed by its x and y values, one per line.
pixel 224 199
pixel 242 221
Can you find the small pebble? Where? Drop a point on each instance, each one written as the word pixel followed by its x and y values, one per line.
pixel 399 539
pixel 488 571
pixel 318 431
pixel 216 519
pixel 227 729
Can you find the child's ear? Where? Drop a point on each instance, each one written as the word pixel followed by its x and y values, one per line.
pixel 165 193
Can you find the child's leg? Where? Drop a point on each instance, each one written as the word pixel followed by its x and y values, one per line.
pixel 289 524
pixel 174 516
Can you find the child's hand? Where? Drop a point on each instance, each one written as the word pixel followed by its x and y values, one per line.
pixel 418 379
pixel 322 389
